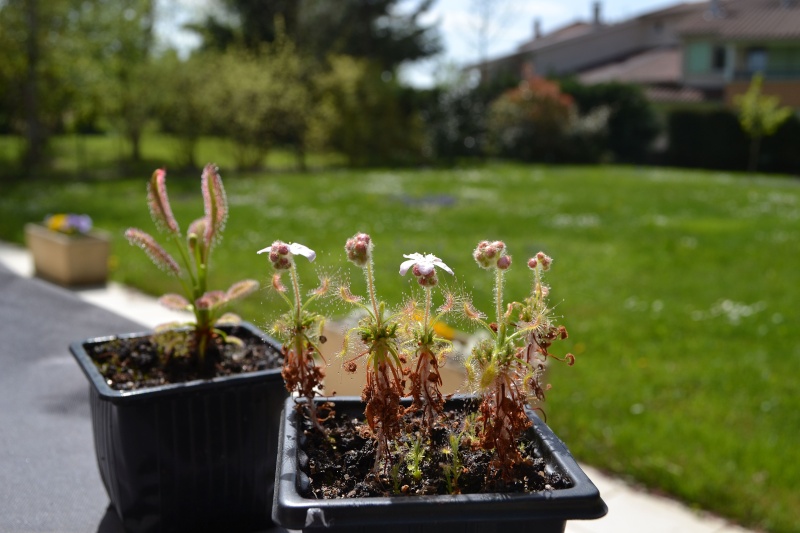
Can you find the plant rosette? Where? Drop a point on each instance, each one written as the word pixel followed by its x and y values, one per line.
pixel 185 418
pixel 67 250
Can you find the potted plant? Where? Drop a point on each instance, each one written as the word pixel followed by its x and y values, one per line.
pixel 388 460
pixel 185 418
pixel 66 250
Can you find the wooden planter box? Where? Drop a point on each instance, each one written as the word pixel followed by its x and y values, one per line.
pixel 68 259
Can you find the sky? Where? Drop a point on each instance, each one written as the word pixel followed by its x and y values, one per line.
pixel 458 26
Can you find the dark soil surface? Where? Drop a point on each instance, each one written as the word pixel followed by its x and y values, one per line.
pixel 134 363
pixel 340 463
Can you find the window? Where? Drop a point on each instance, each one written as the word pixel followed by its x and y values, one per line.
pixel 756 60
pixel 698 57
pixel 718 58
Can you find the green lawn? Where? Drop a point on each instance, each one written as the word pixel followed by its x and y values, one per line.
pixel 680 290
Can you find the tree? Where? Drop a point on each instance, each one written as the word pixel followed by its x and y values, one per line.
pixel 379 30
pixel 366 117
pixel 70 58
pixel 259 98
pixel 760 115
pixel 247 23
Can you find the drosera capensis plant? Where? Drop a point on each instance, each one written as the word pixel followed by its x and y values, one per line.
pixel 506 368
pixel 299 329
pixel 377 339
pixel 194 249
pixel 427 348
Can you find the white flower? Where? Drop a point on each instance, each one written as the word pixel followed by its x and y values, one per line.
pixel 294 248
pixel 425 264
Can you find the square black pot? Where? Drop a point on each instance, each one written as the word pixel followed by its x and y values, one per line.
pixel 195 456
pixel 543 512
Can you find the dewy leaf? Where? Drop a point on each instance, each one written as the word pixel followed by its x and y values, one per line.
pixel 158 202
pixel 210 300
pixel 240 289
pixel 157 254
pixel 174 301
pixel 229 319
pixel 196 237
pixel 215 202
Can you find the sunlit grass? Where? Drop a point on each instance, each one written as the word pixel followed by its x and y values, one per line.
pixel 680 290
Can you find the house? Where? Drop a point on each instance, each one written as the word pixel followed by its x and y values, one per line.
pixel 688 52
pixel 735 39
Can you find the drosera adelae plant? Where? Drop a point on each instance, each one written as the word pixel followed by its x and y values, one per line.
pixel 376 339
pixel 299 329
pixel 428 348
pixel 503 368
pixel 203 234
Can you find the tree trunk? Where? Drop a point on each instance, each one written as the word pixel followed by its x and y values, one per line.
pixel 34 136
pixel 755 148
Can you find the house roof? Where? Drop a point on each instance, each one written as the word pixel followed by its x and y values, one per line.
pixel 564 33
pixel 747 19
pixel 658 66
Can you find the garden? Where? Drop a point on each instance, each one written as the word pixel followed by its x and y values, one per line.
pixel 678 288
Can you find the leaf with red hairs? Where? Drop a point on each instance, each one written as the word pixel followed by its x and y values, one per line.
pixel 154 251
pixel 215 202
pixel 158 202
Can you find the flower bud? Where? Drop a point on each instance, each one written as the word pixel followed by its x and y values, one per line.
pixel 427 280
pixel 486 253
pixel 545 260
pixel 532 263
pixel 279 256
pixel 504 262
pixel 359 249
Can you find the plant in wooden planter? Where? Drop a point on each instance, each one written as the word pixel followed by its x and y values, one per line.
pixel 68 251
pixel 482 461
pixel 185 418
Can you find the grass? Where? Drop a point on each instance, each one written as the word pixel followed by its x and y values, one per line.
pixel 679 289
pixel 99 157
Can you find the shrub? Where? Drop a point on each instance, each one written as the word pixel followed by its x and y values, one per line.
pixel 632 122
pixel 538 122
pixel 714 139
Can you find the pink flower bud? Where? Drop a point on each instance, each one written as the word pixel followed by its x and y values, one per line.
pixel 504 262
pixel 486 253
pixel 359 249
pixel 545 260
pixel 428 280
pixel 532 263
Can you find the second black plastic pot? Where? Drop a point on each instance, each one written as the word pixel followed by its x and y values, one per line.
pixel 542 512
pixel 197 456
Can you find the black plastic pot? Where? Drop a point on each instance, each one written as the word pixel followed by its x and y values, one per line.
pixel 196 456
pixel 545 512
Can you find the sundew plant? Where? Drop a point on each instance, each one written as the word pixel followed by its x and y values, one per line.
pixel 506 369
pixel 194 251
pixel 299 329
pixel 377 339
pixel 402 355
